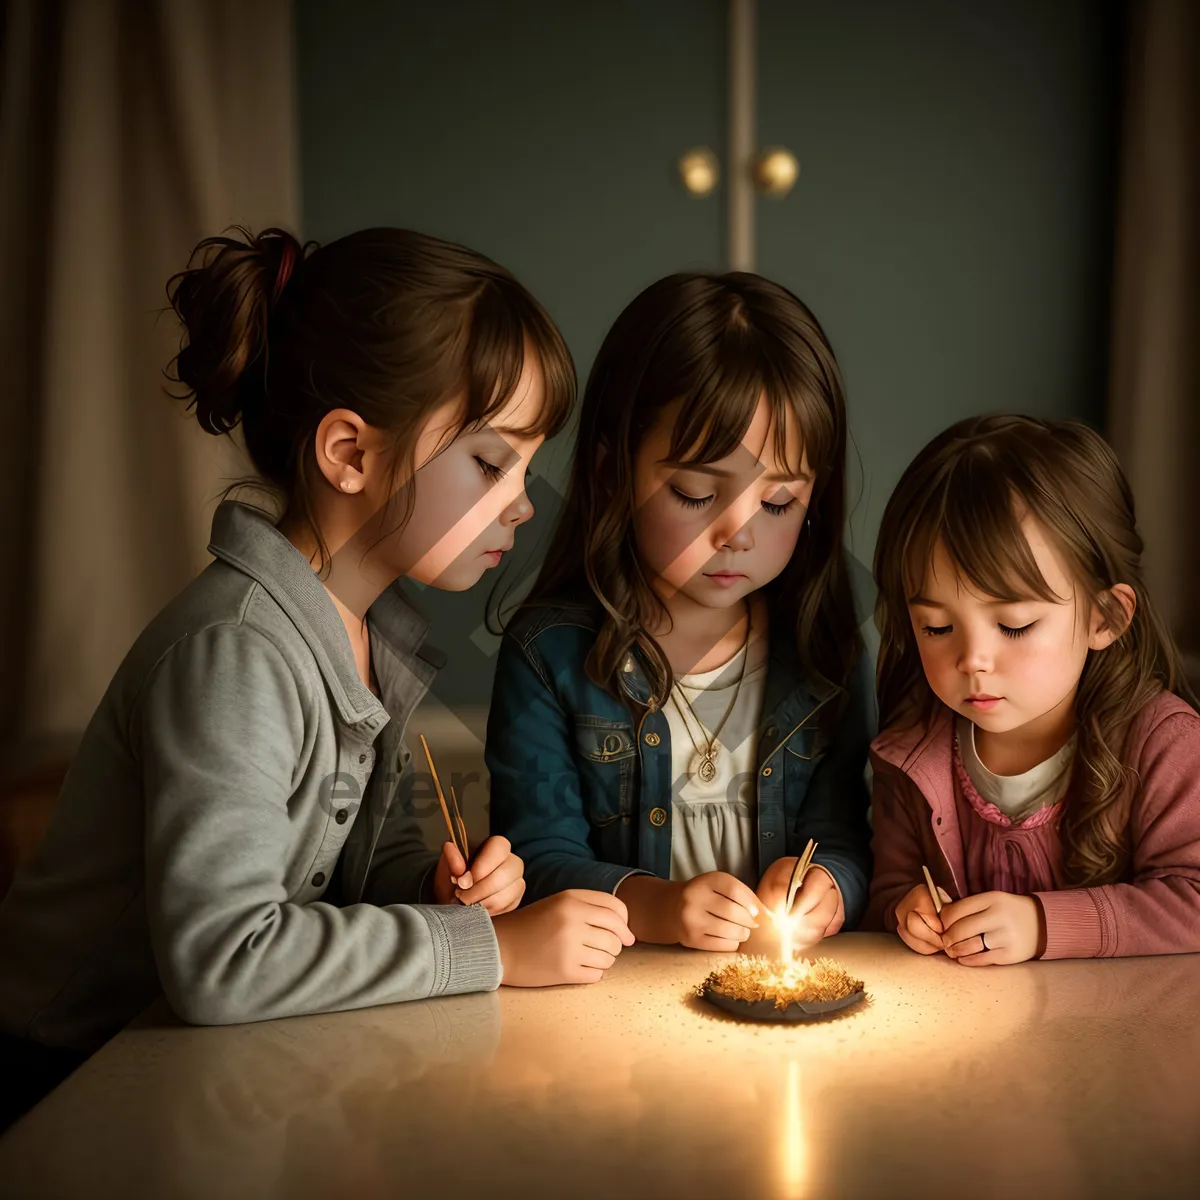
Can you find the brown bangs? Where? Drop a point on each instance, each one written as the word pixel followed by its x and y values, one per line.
pixel 719 406
pixel 502 322
pixel 976 514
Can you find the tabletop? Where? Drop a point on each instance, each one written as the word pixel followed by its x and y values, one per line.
pixel 1056 1079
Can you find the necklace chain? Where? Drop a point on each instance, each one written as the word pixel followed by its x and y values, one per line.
pixel 707 768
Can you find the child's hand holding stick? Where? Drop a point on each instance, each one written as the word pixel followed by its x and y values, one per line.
pixel 495 877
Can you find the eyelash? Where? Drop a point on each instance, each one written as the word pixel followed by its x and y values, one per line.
pixel 775 510
pixel 492 471
pixel 1008 630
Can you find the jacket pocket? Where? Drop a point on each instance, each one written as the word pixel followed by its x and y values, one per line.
pixel 607 757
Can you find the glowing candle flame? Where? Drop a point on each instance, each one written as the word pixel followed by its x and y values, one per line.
pixel 790 973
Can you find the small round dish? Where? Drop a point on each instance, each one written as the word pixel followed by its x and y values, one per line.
pixel 766 1010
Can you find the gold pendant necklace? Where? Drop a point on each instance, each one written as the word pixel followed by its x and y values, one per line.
pixel 704 762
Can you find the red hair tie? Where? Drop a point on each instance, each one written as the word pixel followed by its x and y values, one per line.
pixel 287 260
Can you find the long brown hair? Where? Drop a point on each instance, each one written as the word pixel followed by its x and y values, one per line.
pixel 970 488
pixel 717 343
pixel 386 322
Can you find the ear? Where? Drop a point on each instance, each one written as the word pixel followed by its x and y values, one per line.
pixel 340 443
pixel 1103 632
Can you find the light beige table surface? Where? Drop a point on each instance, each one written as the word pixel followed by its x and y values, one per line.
pixel 1041 1080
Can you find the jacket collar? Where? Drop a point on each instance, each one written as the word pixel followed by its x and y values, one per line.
pixel 246 538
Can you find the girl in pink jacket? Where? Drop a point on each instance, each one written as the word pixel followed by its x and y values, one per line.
pixel 1035 755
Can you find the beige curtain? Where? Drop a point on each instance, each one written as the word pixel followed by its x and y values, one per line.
pixel 128 131
pixel 1155 400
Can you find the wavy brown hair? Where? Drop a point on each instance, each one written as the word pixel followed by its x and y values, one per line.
pixel 970 488
pixel 717 343
pixel 389 323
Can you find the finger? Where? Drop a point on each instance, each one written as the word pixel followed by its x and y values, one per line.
pixel 972 945
pixel 915 942
pixel 587 975
pixel 490 855
pixel 600 917
pixel 602 939
pixel 600 960
pixel 818 884
pixel 725 909
pixel 718 944
pixel 601 900
pixel 504 901
pixel 919 932
pixel 504 876
pixel 734 889
pixel 726 931
pixel 967 927
pixel 993 957
pixel 933 923
pixel 455 863
pixel 965 907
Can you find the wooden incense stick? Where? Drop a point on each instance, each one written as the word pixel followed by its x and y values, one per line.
pixel 441 798
pixel 462 827
pixel 933 892
pixel 798 873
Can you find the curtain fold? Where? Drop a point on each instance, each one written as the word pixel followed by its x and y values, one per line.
pixel 128 131
pixel 1154 404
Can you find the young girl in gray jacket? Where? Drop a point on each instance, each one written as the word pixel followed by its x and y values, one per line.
pixel 236 830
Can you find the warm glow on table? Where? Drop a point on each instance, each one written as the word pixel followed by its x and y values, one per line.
pixel 1046 1079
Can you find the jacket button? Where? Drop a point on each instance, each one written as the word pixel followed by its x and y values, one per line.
pixel 768 834
pixel 771 731
pixel 939 820
pixel 362 758
pixel 652 739
pixel 658 816
pixel 766 770
pixel 318 879
pixel 341 816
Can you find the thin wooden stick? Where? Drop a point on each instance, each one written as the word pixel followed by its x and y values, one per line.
pixel 462 827
pixel 441 798
pixel 933 892
pixel 798 873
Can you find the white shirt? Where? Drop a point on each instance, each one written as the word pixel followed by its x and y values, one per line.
pixel 714 826
pixel 1016 796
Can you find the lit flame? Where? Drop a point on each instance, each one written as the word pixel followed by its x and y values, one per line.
pixel 791 973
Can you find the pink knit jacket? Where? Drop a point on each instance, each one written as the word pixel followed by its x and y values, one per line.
pixel 925 811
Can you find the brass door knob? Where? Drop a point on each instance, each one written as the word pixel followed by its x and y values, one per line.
pixel 699 170
pixel 776 171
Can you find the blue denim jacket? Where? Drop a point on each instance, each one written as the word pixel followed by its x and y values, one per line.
pixel 581 783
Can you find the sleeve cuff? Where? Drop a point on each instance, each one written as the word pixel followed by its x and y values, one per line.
pixel 467 955
pixel 1073 925
pixel 851 892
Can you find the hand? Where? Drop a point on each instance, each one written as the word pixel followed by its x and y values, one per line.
pixel 572 937
pixel 917 921
pixel 496 878
pixel 1011 927
pixel 714 911
pixel 817 910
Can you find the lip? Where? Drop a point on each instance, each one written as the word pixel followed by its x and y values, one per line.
pixel 724 578
pixel 496 555
pixel 983 702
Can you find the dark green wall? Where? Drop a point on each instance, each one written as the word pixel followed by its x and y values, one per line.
pixel 951 226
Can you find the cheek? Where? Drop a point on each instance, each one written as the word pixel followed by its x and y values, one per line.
pixel 668 535
pixel 450 510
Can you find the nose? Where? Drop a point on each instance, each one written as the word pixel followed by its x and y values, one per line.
pixel 733 528
pixel 974 657
pixel 519 511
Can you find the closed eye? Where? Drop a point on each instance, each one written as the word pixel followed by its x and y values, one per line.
pixel 1021 631
pixel 690 501
pixel 777 510
pixel 492 471
pixel 936 630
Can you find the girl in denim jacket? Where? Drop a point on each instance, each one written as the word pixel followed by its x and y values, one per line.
pixel 682 700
